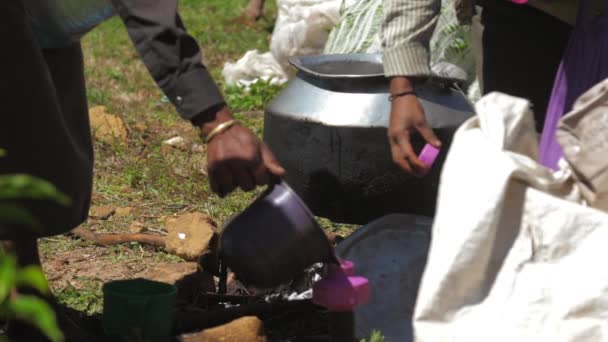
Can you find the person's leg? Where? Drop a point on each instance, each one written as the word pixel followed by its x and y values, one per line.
pixel 44 129
pixel 25 250
pixel 44 124
pixel 522 49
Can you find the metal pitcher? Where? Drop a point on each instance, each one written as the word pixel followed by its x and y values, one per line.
pixel 274 239
pixel 328 129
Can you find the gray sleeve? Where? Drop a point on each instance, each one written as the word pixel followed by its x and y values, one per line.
pixel 407 29
pixel 171 55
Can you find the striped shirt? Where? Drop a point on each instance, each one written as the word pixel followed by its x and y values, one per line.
pixel 409 25
pixel 406 32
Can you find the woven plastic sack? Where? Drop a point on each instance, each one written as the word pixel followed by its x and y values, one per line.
pixel 359 29
pixel 451 42
pixel 585 63
pixel 302 28
pixel 254 66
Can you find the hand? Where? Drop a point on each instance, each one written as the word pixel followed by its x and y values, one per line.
pixel 407 117
pixel 237 158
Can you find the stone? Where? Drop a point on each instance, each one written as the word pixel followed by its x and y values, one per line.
pixel 198 148
pixel 186 276
pixel 244 329
pixel 177 142
pixel 101 212
pixel 181 172
pixel 189 235
pixel 126 211
pixel 141 127
pixel 168 272
pixel 95 196
pixel 137 227
pixel 106 127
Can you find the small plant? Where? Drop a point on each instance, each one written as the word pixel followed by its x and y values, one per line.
pixel 376 336
pixel 258 96
pixel 27 308
pixel 13 305
pixel 20 186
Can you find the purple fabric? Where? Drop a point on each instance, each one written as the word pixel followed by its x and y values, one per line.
pixel 584 64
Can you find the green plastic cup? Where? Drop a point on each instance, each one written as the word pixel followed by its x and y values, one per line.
pixel 138 309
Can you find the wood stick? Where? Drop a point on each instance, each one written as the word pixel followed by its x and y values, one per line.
pixel 116 239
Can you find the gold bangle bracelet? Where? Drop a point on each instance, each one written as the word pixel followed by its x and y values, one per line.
pixel 219 129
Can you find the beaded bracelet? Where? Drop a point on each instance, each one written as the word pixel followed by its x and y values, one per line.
pixel 404 93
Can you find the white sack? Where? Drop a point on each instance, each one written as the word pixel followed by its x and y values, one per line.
pixel 515 255
pixel 252 67
pixel 302 27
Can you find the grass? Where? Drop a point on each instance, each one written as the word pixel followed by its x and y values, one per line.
pixel 141 172
pixel 88 299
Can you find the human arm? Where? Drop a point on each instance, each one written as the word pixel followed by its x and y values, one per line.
pixel 236 157
pixel 407 29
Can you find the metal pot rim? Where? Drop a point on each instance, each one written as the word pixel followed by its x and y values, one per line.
pixel 300 62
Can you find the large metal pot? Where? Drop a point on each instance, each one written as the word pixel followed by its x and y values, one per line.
pixel 328 129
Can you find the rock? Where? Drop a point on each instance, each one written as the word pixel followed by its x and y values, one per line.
pixel 182 172
pixel 178 142
pixel 137 227
pixel 198 148
pixel 244 329
pixel 97 197
pixel 126 211
pixel 141 127
pixel 186 276
pixel 106 127
pixel 189 235
pixel 170 273
pixel 101 212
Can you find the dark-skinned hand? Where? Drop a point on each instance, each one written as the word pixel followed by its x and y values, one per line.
pixel 407 118
pixel 237 158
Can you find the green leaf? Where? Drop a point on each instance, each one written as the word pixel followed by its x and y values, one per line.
pixel 33 277
pixel 376 336
pixel 15 214
pixel 37 312
pixel 25 186
pixel 8 270
pixel 2 152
